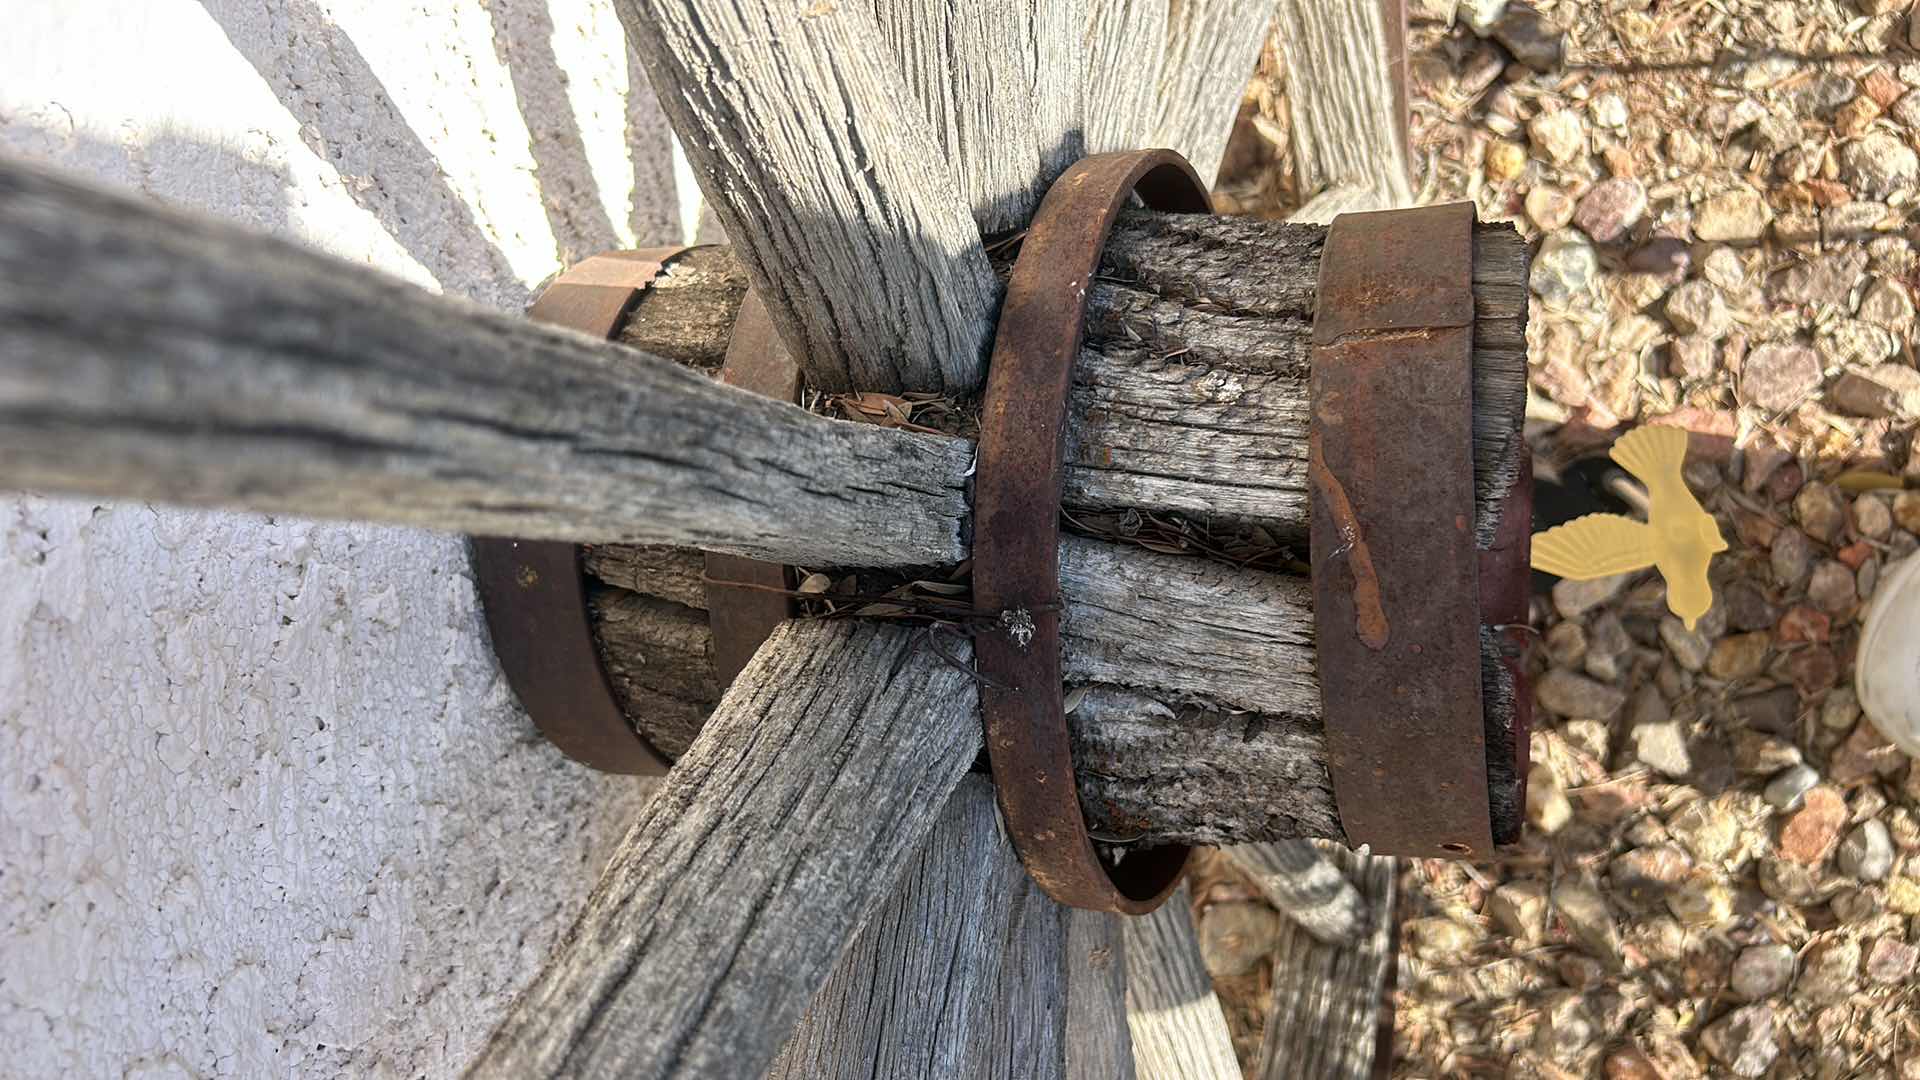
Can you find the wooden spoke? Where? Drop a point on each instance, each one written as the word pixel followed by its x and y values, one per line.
pixel 1126 43
pixel 1178 1027
pixel 1212 46
pixel 1349 134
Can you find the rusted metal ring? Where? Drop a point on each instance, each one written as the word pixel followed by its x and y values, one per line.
pixel 534 592
pixel 1396 590
pixel 1016 568
pixel 742 618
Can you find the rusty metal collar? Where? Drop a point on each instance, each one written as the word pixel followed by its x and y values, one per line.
pixel 1396 592
pixel 1016 570
pixel 534 592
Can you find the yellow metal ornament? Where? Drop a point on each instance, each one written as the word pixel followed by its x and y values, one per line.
pixel 1678 537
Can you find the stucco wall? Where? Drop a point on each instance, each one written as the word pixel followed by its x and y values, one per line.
pixel 266 806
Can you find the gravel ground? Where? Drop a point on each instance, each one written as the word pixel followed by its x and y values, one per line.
pixel 1719 878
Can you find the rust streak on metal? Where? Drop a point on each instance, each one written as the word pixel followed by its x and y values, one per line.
pixel 1370 617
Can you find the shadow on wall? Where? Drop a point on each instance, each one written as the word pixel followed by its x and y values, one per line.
pixel 191 171
pixel 348 119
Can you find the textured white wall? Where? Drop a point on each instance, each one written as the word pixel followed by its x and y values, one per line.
pixel 266 806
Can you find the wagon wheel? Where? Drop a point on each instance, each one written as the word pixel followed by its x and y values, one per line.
pixel 806 840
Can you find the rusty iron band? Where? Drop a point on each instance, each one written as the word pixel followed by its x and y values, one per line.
pixel 534 592
pixel 1016 561
pixel 1396 590
pixel 742 617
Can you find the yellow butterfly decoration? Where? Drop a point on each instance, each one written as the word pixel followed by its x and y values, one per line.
pixel 1678 537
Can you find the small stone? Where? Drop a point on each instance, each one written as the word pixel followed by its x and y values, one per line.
pixel 1867 852
pixel 1698 308
pixel 1888 304
pixel 1739 215
pixel 1743 1040
pixel 1880 85
pixel 1819 510
pixel 1761 971
pixel 1481 15
pixel 1565 268
pixel 1631 1063
pixel 1790 558
pixel 1662 748
pixel 1567 694
pixel 1557 136
pixel 1841 710
pixel 1583 911
pixel 1785 791
pixel 1798 230
pixel 1438 939
pixel 1885 390
pixel 1891 961
pixel 1810 835
pixel 1594 737
pixel 1747 607
pixel 1864 755
pixel 1236 936
pixel 1708 828
pixel 1907 109
pixel 1854 117
pixel 1879 164
pixel 1547 807
pixel 1607 644
pixel 1831 589
pixel 1903 895
pixel 1906 510
pixel 1692 356
pixel 1789 882
pixel 1855 343
pixel 1665 257
pixel 1702 900
pixel 1756 752
pixel 1531 39
pixel 1826 281
pixel 1564 1028
pixel 1776 377
pixel 1566 644
pixel 1831 971
pixel 1813 670
pixel 1549 208
pixel 1740 656
pixel 1689 648
pixel 1505 160
pixel 1872 516
pixel 1856 906
pixel 1773 711
pixel 1520 909
pixel 1609 207
pixel 1643 876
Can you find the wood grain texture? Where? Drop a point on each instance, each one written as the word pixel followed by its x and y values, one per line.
pixel 1099 1044
pixel 1303 884
pixel 806 140
pixel 239 370
pixel 921 989
pixel 814 785
pixel 1179 1030
pixel 1327 997
pixel 1348 136
pixel 1211 49
pixel 999 86
pixel 1126 42
pixel 1169 763
pixel 688 314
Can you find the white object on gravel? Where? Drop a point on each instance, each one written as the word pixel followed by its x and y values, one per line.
pixel 1887 673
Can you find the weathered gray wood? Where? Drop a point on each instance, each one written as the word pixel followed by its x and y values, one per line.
pixel 1126 42
pixel 668 573
pixel 1099 1046
pixel 1212 46
pixel 727 906
pixel 917 989
pixel 1327 997
pixel 1000 87
pixel 1179 1030
pixel 807 143
pixel 1300 881
pixel 152 354
pixel 1348 136
pixel 688 316
pixel 658 656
